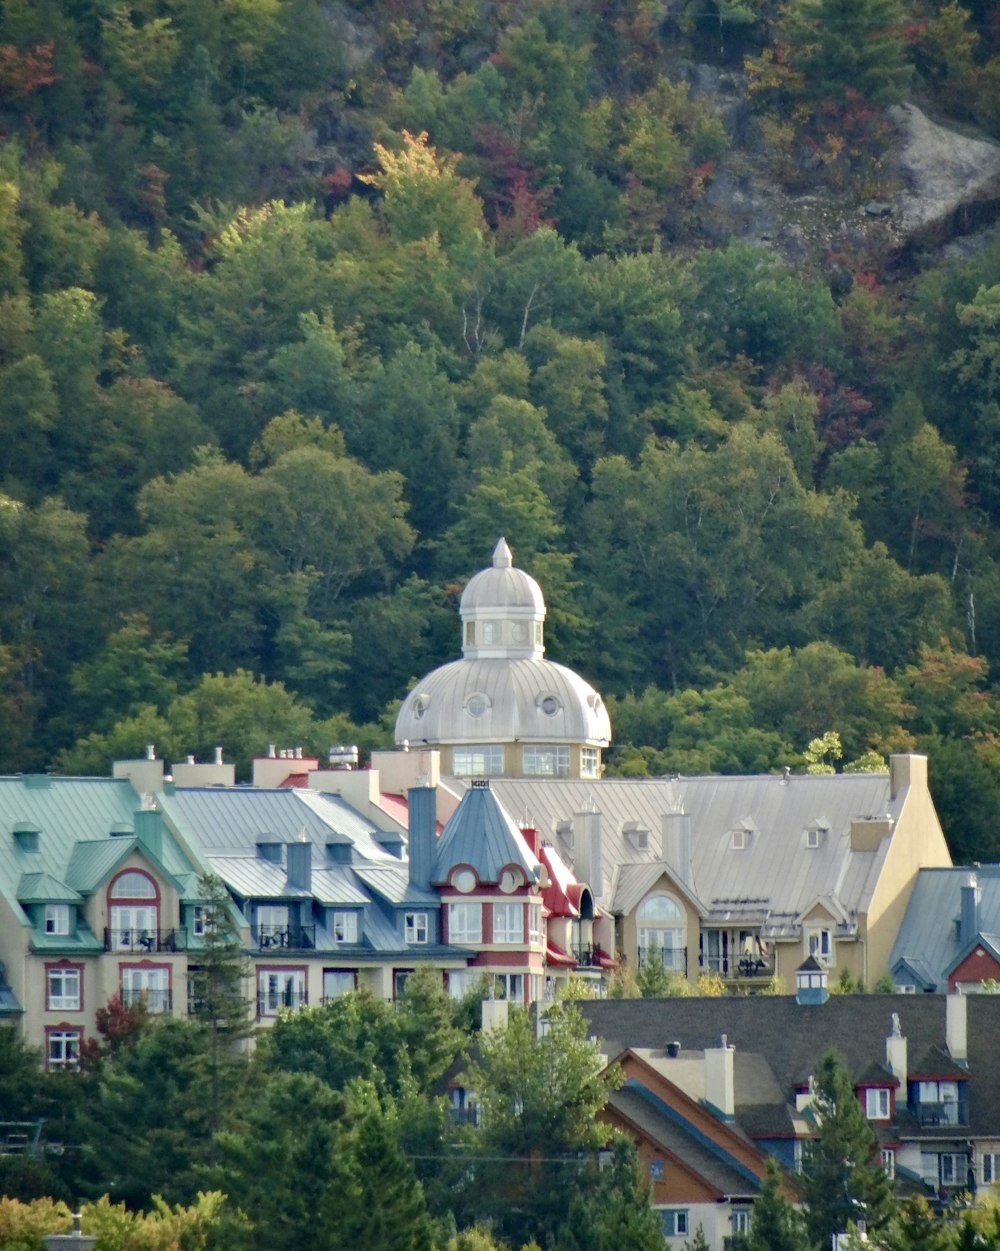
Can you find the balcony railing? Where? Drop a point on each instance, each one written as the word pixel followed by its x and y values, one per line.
pixel 743 965
pixel 291 937
pixel 951 1113
pixel 465 1116
pixel 155 1000
pixel 590 957
pixel 271 1005
pixel 144 942
pixel 673 959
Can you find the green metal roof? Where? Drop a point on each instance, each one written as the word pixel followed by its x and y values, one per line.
pixel 44 888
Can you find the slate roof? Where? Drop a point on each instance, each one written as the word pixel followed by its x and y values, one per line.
pixel 928 939
pixel 791 1037
pixel 481 834
pixel 774 877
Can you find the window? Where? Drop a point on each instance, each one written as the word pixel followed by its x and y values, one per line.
pixel 888 1157
pixel 345 927
pixel 278 989
pixel 542 760
pixel 465 923
pixel 337 982
pixel 661 932
pixel 415 925
pixel 739 1220
pixel 462 981
pixel 534 923
pixel 989 1167
pixel 476 705
pixel 146 984
pixel 491 632
pixel 519 632
pixel 477 761
pixel 954 1168
pixel 877 1103
pixel 739 841
pixel 656 1170
pixel 57 918
pixel 63 985
pixel 940 1103
pixel 508 923
pixel 675 1221
pixel 509 986
pixel 63 1049
pixel 819 943
pixel 590 762
pixel 399 979
pixel 198 920
pixel 133 885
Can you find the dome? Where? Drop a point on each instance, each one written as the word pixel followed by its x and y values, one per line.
pixel 502 589
pixel 503 701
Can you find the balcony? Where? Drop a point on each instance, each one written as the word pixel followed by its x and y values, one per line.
pixel 744 965
pixel 289 937
pixel 155 1000
pixel 941 1114
pixel 673 959
pixel 144 942
pixel 590 957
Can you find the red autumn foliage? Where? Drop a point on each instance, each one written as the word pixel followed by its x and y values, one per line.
pixel 23 73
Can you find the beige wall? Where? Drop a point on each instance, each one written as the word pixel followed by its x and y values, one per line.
pixel 628 931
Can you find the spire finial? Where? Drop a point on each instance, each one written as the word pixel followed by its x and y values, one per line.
pixel 502 558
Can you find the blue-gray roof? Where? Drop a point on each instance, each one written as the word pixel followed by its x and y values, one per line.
pixel 481 834
pixel 392 883
pixel 928 940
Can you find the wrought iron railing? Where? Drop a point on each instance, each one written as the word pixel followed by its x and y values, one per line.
pixel 291 937
pixel 139 941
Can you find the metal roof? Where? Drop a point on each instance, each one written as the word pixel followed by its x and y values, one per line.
pixel 774 874
pixel 928 939
pixel 44 888
pixel 393 885
pixel 481 834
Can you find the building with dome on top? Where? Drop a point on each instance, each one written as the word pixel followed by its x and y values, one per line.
pixel 503 710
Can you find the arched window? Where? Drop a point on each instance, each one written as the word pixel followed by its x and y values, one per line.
pixel 134 913
pixel 661 932
pixel 133 885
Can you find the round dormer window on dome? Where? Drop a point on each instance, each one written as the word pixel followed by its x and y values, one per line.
pixel 464 880
pixel 510 881
pixel 476 705
pixel 549 704
pixel 420 705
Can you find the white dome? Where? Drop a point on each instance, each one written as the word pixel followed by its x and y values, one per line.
pixel 502 589
pixel 503 701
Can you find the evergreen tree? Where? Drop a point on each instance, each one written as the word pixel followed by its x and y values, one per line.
pixel 850 46
pixel 776 1225
pixel 613 1212
pixel 844 1179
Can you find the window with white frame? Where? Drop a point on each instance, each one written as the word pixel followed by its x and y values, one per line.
pixel 534 923
pixel 462 982
pixel 337 982
pixel 63 988
pixel 888 1158
pixel 989 1167
pixel 57 918
pixel 819 944
pixel 590 762
pixel 465 923
pixel 278 989
pixel 546 760
pixel 954 1168
pixel 134 921
pixel 133 885
pixel 739 1220
pixel 477 761
pixel 661 932
pixel 345 927
pixel 675 1222
pixel 508 922
pixel 415 926
pixel 146 984
pixel 509 986
pixel 272 924
pixel 63 1049
pixel 877 1103
pixel 198 920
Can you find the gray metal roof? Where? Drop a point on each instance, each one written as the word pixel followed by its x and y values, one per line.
pixel 393 885
pixel 481 834
pixel 253 878
pixel 775 875
pixel 928 938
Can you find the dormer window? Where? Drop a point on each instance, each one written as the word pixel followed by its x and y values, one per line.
pixel 476 705
pixel 813 838
pixel 878 1103
pixel 739 840
pixel 57 918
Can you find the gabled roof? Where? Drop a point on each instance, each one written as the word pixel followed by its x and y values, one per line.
pixel 392 883
pixel 928 939
pixel 914 967
pixel 991 943
pixel 44 888
pixel 633 881
pixel 481 834
pixel 774 874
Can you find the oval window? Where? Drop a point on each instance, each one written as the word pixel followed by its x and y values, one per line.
pixel 476 705
pixel 550 705
pixel 464 880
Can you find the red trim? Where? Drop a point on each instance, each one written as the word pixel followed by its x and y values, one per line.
pixel 63 1027
pixel 63 964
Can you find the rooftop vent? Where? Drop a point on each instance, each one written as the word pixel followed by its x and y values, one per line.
pixel 344 756
pixel 673 1050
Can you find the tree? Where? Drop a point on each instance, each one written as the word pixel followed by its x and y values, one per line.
pixel 841 46
pixel 614 1213
pixel 844 1180
pixel 776 1224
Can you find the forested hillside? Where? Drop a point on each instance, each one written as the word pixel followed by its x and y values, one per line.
pixel 303 304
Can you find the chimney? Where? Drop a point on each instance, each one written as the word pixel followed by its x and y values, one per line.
pixel 673 1049
pixel 906 771
pixel 720 1079
pixel 423 820
pixel 968 925
pixel 895 1055
pixel 587 859
pixel 145 776
pixel 494 1016
pixel 149 831
pixel 299 864
pixel 677 844
pixel 957 1027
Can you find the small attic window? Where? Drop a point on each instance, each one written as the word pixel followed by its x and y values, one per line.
pixel 814 838
pixel 740 839
pixel 637 837
pixel 26 836
pixel 269 851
